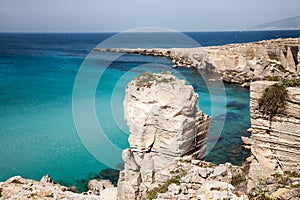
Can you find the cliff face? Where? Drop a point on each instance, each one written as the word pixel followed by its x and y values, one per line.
pixel 165 124
pixel 275 143
pixel 241 63
pixel 236 63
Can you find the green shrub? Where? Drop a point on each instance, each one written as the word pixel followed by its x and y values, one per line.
pixel 164 188
pixel 277 175
pixel 237 180
pixel 281 68
pixel 292 174
pixel 273 99
pixel 292 83
pixel 152 194
pixel 272 78
pixel 284 180
pixel 148 79
pixel 259 192
pixel 181 172
pixel 16 182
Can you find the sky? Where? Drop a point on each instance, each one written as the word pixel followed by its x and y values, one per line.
pixel 122 15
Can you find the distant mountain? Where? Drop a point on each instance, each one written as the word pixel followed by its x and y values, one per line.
pixel 288 23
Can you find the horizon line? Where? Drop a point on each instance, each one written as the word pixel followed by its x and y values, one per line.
pixel 181 31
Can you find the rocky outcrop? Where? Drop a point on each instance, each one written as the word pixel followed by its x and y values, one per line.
pixel 165 124
pixel 242 63
pixel 203 181
pixel 190 57
pixel 98 186
pixel 275 142
pixel 237 63
pixel 20 188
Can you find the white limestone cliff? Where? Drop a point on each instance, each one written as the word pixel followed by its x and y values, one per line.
pixel 236 63
pixel 165 124
pixel 242 63
pixel 275 143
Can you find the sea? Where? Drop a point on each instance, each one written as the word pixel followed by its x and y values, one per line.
pixel 55 92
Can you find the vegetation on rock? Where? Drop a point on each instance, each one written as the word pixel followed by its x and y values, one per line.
pixel 237 180
pixel 273 78
pixel 16 182
pixel 273 99
pixel 179 173
pixel 281 68
pixel 260 192
pixel 266 187
pixel 148 79
pixel 292 83
pixel 163 188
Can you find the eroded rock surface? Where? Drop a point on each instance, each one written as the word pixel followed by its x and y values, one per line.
pixel 242 63
pixel 203 180
pixel 165 124
pixel 20 188
pixel 275 143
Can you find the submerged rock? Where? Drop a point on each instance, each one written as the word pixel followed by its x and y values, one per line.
pixel 110 174
pixel 236 105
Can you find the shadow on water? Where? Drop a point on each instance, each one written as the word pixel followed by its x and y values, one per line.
pixel 106 174
pixel 229 145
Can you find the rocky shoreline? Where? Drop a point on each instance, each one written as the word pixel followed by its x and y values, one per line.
pixel 236 63
pixel 168 133
pixel 20 188
pixel 157 104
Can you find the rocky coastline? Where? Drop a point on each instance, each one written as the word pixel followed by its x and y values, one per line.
pixel 20 188
pixel 168 132
pixel 236 63
pixel 271 172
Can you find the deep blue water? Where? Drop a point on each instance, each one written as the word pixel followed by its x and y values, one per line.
pixel 37 130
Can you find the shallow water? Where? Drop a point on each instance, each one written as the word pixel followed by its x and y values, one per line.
pixel 38 134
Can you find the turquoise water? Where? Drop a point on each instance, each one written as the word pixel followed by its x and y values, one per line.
pixel 38 134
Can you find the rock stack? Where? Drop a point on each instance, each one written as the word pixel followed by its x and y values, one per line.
pixel 165 124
